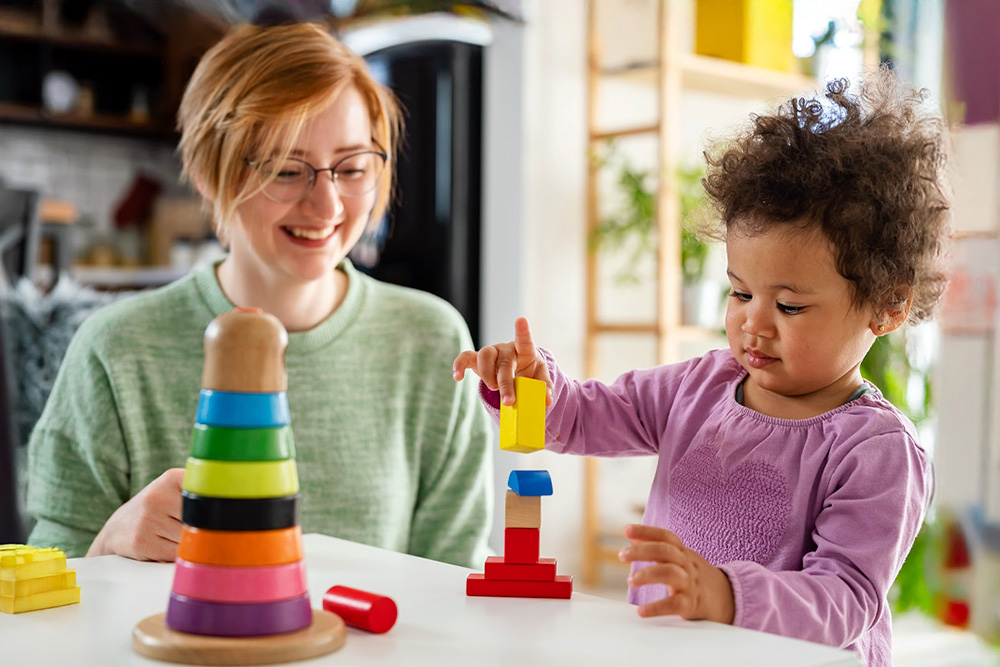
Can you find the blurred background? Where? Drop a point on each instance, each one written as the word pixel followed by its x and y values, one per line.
pixel 551 169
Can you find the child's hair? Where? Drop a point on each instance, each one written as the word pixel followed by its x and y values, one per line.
pixel 867 170
pixel 250 96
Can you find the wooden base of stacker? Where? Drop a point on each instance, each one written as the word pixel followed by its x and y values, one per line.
pixel 153 639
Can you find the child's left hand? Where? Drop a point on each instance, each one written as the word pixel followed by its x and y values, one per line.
pixel 698 590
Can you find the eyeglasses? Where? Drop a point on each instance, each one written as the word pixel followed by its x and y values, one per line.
pixel 291 179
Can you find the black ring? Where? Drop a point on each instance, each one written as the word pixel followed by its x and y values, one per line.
pixel 240 513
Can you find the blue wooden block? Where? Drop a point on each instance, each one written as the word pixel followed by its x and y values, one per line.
pixel 530 482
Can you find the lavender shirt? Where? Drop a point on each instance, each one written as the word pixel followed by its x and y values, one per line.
pixel 810 519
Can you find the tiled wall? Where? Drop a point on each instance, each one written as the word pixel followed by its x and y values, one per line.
pixel 94 171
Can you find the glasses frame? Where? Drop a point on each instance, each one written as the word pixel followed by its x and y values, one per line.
pixel 315 172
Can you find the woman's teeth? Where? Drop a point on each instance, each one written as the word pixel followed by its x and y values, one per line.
pixel 310 232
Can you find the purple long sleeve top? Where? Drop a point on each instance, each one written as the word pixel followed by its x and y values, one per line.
pixel 810 519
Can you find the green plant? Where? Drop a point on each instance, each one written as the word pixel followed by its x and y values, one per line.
pixel 633 227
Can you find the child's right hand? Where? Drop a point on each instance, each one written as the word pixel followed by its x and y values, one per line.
pixel 499 364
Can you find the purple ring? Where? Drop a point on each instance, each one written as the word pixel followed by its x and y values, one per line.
pixel 229 619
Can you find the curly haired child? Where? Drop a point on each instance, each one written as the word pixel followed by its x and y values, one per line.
pixel 788 490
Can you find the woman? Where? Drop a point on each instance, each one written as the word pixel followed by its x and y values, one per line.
pixel 290 143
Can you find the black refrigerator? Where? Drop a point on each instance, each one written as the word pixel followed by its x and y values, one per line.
pixel 430 237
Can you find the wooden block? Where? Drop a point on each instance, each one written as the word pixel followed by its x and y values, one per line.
pixel 52 582
pixel 20 561
pixel 498 569
pixel 522 511
pixel 520 545
pixel 530 482
pixel 47 600
pixel 478 585
pixel 522 425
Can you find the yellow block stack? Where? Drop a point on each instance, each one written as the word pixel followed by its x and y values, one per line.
pixel 33 578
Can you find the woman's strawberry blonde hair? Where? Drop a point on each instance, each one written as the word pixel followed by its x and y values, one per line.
pixel 251 95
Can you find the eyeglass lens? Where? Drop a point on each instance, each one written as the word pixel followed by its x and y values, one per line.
pixel 354 176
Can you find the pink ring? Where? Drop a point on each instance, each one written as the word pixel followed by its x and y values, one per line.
pixel 239 584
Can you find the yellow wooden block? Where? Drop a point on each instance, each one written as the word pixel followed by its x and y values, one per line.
pixel 755 32
pixel 53 582
pixel 17 605
pixel 522 425
pixel 19 562
pixel 522 511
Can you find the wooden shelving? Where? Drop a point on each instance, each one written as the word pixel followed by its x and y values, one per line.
pixel 129 65
pixel 671 74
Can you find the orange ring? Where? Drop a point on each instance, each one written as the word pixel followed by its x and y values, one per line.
pixel 238 548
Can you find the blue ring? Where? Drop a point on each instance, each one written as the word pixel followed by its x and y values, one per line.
pixel 242 409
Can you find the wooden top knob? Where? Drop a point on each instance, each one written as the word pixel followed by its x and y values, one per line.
pixel 245 351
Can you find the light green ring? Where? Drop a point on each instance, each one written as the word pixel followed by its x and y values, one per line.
pixel 241 479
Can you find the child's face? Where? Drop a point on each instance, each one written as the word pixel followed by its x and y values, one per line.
pixel 791 323
pixel 302 241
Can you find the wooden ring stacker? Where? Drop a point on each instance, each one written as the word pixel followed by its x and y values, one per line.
pixel 272 583
pixel 218 443
pixel 244 353
pixel 241 479
pixel 253 548
pixel 239 513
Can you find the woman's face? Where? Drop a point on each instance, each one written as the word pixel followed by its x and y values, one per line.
pixel 292 243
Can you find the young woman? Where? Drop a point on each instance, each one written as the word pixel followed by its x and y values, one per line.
pixel 290 142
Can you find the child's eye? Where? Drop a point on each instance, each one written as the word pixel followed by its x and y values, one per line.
pixel 742 296
pixel 789 310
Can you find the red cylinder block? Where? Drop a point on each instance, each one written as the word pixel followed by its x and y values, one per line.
pixel 361 609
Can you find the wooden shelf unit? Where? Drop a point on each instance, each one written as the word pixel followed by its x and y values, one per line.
pixel 671 74
pixel 115 62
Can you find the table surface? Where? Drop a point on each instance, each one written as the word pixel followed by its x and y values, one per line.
pixel 437 624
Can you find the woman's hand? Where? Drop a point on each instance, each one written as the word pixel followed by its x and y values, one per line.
pixel 698 590
pixel 147 527
pixel 499 364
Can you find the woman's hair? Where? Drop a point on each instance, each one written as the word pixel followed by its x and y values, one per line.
pixel 251 95
pixel 867 170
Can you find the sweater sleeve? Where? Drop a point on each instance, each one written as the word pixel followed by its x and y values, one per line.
pixel 595 419
pixel 874 507
pixel 77 460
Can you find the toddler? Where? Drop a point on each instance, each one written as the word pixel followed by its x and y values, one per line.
pixel 788 490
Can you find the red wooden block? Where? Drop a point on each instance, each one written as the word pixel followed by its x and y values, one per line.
pixel 498 569
pixel 520 545
pixel 361 609
pixel 478 584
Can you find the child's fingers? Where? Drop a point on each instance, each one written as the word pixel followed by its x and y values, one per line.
pixel 640 533
pixel 671 575
pixel 465 361
pixel 676 604
pixel 486 363
pixel 506 365
pixel 524 347
pixel 660 552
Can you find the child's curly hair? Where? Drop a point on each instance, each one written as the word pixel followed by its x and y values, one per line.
pixel 867 170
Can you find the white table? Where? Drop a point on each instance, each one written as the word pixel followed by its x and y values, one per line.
pixel 437 624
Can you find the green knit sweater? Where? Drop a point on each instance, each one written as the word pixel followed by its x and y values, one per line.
pixel 391 451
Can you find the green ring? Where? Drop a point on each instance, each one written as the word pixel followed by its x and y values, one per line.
pixel 241 479
pixel 217 443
